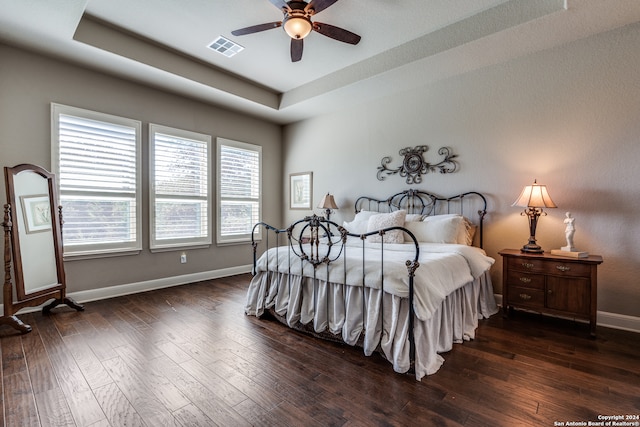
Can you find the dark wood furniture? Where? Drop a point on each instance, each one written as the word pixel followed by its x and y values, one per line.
pixel 549 284
pixel 32 244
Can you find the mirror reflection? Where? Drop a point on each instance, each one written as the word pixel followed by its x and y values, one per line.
pixel 32 218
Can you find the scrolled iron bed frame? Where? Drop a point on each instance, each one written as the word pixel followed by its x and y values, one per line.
pixel 428 204
pixel 312 230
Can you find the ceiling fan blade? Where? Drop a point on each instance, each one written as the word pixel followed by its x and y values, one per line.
pixel 296 49
pixel 336 33
pixel 319 5
pixel 256 28
pixel 280 4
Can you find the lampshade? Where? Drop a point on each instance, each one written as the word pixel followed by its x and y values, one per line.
pixel 327 202
pixel 297 26
pixel 534 196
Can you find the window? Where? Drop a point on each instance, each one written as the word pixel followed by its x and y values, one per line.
pixel 239 190
pixel 96 158
pixel 180 188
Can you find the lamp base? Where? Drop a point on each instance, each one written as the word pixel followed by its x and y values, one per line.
pixel 532 248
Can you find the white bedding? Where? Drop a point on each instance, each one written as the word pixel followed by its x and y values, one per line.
pixel 452 291
pixel 443 269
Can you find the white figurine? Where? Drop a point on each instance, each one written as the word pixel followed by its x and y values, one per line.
pixel 569 231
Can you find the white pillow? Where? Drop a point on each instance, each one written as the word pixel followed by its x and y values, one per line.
pixel 440 229
pixel 471 232
pixel 392 219
pixel 359 223
pixel 466 230
pixel 356 227
pixel 365 215
pixel 434 231
pixel 414 217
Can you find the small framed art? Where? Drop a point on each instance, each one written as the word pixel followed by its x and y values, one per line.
pixel 37 213
pixel 300 190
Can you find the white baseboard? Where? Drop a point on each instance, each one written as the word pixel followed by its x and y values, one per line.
pixel 618 321
pixel 148 285
pixel 608 320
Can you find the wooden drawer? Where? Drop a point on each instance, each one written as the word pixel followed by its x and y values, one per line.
pixel 559 268
pixel 526 297
pixel 526 264
pixel 525 280
pixel 549 266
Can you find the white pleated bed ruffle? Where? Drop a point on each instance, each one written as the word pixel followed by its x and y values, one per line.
pixel 354 317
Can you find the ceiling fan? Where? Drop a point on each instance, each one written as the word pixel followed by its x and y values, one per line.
pixel 297 24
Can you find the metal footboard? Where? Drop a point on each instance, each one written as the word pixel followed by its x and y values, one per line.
pixel 317 242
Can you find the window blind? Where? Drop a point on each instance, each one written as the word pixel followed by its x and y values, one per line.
pixel 97 164
pixel 180 182
pixel 239 190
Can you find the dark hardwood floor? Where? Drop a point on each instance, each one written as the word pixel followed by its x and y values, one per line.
pixel 189 356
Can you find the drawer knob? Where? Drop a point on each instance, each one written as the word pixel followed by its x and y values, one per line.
pixel 563 267
pixel 525 280
pixel 527 264
pixel 525 297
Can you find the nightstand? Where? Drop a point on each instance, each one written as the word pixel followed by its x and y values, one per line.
pixel 551 284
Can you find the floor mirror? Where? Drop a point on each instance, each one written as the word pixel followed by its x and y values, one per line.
pixel 34 267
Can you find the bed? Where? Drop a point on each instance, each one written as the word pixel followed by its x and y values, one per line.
pixel 406 278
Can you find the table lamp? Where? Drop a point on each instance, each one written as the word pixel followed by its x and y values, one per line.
pixel 328 204
pixel 534 198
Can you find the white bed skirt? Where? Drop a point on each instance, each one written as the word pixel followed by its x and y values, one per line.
pixel 356 318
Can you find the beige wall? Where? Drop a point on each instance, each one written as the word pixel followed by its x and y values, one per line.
pixel 29 83
pixel 569 117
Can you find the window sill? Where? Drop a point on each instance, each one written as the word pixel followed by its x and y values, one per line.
pixel 95 255
pixel 178 248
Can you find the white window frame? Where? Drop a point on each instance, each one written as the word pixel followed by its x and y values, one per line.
pixel 99 249
pixel 236 239
pixel 177 243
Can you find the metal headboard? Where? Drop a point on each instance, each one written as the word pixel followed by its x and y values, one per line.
pixel 420 202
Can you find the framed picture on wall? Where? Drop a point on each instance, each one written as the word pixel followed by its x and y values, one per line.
pixel 300 190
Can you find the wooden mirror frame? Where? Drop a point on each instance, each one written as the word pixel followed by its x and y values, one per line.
pixel 13 255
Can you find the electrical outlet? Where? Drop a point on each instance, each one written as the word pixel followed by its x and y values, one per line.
pixel 183 258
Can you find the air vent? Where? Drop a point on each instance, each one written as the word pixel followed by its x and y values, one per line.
pixel 225 46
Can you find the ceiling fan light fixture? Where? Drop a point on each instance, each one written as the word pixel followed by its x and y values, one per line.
pixel 297 26
pixel 297 23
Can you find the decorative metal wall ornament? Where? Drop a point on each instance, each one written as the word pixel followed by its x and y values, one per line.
pixel 414 166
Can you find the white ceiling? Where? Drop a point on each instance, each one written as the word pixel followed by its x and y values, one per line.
pixel 405 44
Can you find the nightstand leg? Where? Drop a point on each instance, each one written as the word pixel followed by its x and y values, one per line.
pixel 507 311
